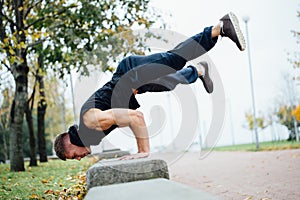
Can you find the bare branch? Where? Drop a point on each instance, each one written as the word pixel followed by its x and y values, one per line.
pixel 7 67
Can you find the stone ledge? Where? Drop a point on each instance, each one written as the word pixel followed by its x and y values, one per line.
pixel 111 154
pixel 108 172
pixel 110 150
pixel 160 189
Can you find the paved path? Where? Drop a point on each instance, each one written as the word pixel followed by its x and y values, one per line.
pixel 242 175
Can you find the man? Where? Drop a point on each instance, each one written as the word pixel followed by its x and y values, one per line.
pixel 114 105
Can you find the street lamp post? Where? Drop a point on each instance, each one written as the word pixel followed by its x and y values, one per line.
pixel 246 20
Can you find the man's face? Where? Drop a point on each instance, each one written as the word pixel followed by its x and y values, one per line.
pixel 75 152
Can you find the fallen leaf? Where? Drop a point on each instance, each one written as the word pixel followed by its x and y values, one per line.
pixel 57 192
pixel 44 181
pixel 34 196
pixel 80 196
pixel 49 192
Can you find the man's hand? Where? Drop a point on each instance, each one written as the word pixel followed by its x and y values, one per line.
pixel 134 156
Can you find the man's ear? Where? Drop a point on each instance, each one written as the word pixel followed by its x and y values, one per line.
pixel 67 138
pixel 67 142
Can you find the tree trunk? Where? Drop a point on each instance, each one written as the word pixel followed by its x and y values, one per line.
pixel 20 74
pixel 42 105
pixel 33 160
pixel 16 119
pixel 41 131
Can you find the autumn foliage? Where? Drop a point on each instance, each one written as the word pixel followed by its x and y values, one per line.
pixel 296 112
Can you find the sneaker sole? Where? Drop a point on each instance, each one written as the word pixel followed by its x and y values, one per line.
pixel 237 29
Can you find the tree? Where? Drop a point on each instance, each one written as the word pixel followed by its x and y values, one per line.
pixel 42 105
pixel 285 117
pixel 29 120
pixel 13 39
pixel 67 34
pixel 261 121
pixel 296 112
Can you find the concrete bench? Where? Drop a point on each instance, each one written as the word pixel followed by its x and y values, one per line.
pixel 114 171
pixel 155 189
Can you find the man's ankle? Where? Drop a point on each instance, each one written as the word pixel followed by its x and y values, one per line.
pixel 216 30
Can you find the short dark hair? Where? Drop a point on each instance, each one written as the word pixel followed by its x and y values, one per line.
pixel 59 146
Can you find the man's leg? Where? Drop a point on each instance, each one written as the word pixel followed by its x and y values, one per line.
pixel 146 68
pixel 169 82
pixel 136 71
pixel 139 70
pixel 184 76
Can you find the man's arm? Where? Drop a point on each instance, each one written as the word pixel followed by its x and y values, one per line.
pixel 102 120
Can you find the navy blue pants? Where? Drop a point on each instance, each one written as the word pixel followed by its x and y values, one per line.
pixel 163 71
pixel 160 71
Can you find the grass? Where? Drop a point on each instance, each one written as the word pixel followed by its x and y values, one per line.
pixel 264 146
pixel 55 179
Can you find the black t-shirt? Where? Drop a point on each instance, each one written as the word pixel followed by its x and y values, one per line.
pixel 102 99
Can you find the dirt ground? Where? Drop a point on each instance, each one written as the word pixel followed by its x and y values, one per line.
pixel 242 175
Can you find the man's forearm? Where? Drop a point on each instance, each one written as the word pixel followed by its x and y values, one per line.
pixel 142 138
pixel 138 127
pixel 143 146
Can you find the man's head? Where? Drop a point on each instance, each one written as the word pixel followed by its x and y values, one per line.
pixel 66 150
